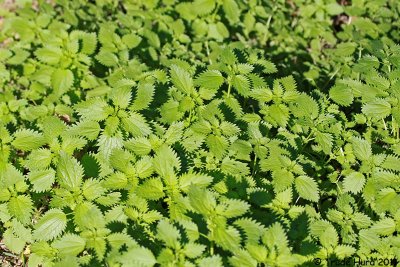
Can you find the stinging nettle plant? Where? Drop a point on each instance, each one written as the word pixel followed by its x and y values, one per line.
pixel 199 133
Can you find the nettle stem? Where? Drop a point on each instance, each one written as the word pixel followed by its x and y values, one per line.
pixel 229 86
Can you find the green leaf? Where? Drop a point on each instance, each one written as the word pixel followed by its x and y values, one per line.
pixel 325 140
pixel 211 79
pixel 193 250
pixel 307 188
pixel 13 243
pixel 385 227
pixel 88 216
pixel 228 238
pixel 137 125
pixel 344 251
pixel 391 163
pixel 232 11
pixel 152 38
pixel 242 84
pixel 42 180
pixel 62 81
pixel 166 161
pixel 282 179
pixel 92 189
pixel 231 208
pixel 138 256
pixel 69 172
pixel 202 200
pixel 144 97
pixel 342 95
pixel 214 261
pixel 140 146
pixel 87 128
pixel 362 148
pixel 344 49
pixel 197 179
pixel 234 167
pixel 27 140
pixel 10 176
pixel 21 207
pixel 151 189
pixel 354 182
pixel 39 159
pixel 368 239
pixel 329 237
pixel 92 109
pixel 217 145
pixel 50 225
pixel 89 42
pixel 181 79
pixel 49 54
pixel 107 58
pixel 69 245
pixel 203 7
pixel 377 109
pixel 131 40
pixel 168 233
pixel 334 9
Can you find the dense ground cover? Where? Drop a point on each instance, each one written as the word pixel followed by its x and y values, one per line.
pixel 199 133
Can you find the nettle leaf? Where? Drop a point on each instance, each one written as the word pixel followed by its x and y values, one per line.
pixel 10 175
pixel 144 96
pixel 89 42
pixel 89 129
pixel 69 172
pixel 181 79
pixel 50 225
pixel 166 162
pixel 325 140
pixel 193 250
pixel 232 11
pixel 137 125
pixel 121 96
pixel 231 208
pixel 377 109
pixel 39 159
pixel 203 7
pixel 151 189
pixel 202 200
pixel 131 40
pixel 27 140
pixel 62 80
pixel 92 109
pixel 354 182
pixel 88 216
pixel 307 188
pixel 391 163
pixel 341 94
pixel 21 207
pixel 343 251
pixel 198 179
pixel 69 245
pixel 168 233
pixel 385 227
pixel 42 180
pixel 228 238
pixel 107 58
pixel 241 84
pixel 138 256
pixel 49 54
pixel 211 79
pixel 140 146
pixel 217 145
pixel 362 148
